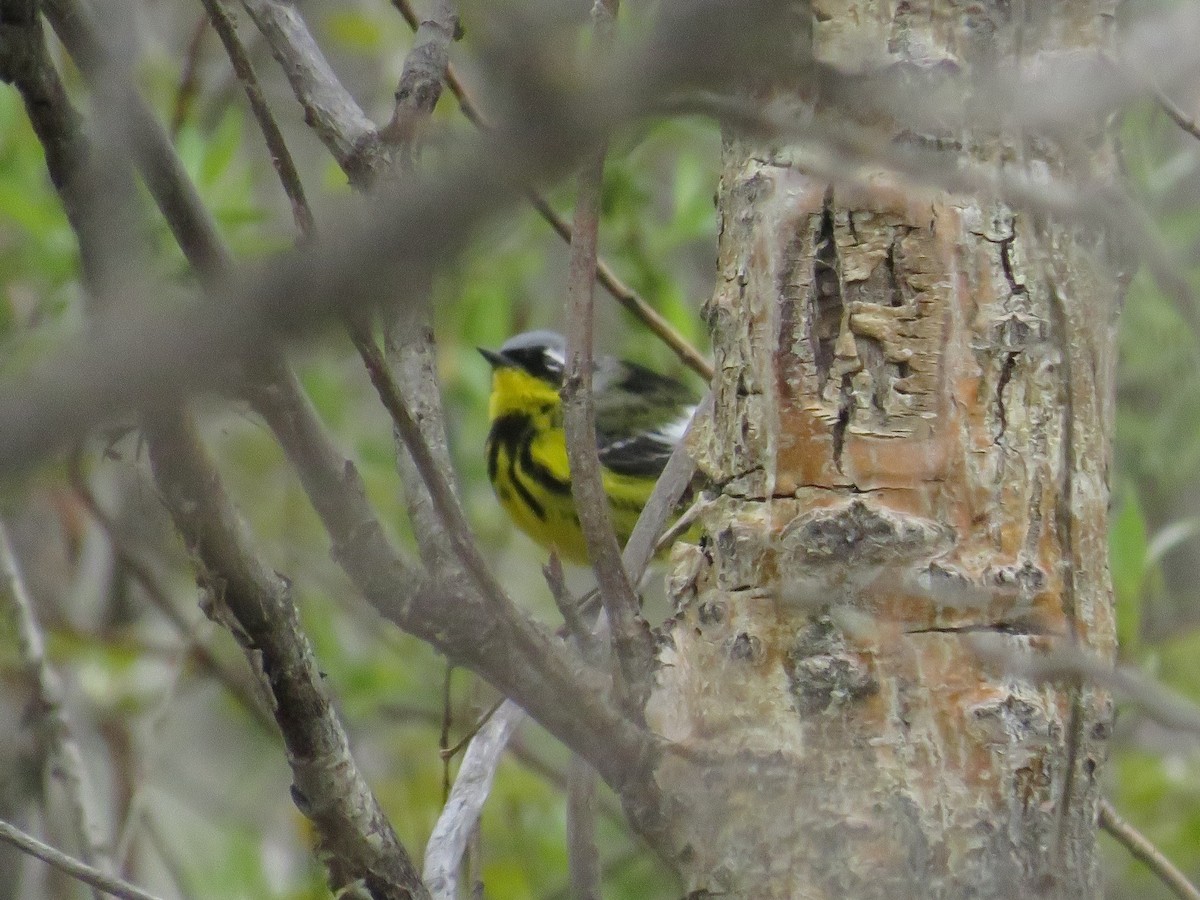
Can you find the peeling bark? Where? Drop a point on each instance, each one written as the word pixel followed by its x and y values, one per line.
pixel 914 403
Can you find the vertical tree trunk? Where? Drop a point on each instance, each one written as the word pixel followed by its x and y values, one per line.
pixel 914 399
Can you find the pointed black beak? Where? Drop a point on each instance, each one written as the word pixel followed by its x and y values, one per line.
pixel 498 360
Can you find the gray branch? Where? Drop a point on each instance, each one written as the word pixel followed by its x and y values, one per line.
pixel 328 107
pixel 460 815
pixel 89 875
pixel 50 714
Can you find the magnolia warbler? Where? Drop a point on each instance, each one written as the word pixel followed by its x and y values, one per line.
pixel 640 417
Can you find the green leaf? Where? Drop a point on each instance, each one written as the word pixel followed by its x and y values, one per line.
pixel 221 148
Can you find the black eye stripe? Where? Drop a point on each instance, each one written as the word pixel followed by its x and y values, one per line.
pixel 537 362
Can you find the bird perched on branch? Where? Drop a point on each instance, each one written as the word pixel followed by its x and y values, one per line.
pixel 640 417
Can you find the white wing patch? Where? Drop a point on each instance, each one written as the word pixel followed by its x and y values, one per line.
pixel 672 432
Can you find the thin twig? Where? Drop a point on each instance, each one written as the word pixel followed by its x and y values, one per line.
pixel 568 605
pixel 188 78
pixel 516 747
pixel 654 321
pixel 631 637
pixel 277 148
pixel 451 752
pixel 446 504
pixel 328 107
pixel 566 697
pixel 410 357
pixel 1173 111
pixel 1141 849
pixel 358 842
pixel 444 734
pixel 158 595
pixel 67 765
pixel 1066 662
pixel 583 858
pixel 255 603
pixel 676 477
pixel 89 875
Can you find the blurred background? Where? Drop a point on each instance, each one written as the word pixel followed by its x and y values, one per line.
pixel 183 758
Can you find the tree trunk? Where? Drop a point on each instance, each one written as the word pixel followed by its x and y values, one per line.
pixel 914 408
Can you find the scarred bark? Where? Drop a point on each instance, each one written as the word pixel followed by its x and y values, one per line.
pixel 914 406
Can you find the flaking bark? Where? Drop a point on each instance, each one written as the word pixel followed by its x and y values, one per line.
pixel 914 406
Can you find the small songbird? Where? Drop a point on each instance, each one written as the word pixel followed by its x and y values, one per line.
pixel 640 417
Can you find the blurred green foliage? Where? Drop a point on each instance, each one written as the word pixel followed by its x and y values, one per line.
pixel 1156 511
pixel 659 232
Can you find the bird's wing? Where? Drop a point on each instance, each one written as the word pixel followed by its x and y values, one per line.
pixel 640 417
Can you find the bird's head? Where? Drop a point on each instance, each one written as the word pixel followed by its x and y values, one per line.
pixel 527 372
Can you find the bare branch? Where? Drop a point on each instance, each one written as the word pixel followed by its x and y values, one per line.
pixel 277 148
pixel 158 595
pixel 654 321
pixel 411 361
pixel 676 476
pixel 145 139
pixel 568 605
pixel 631 637
pixel 255 602
pixel 1141 849
pixel 185 94
pixel 583 858
pixel 519 750
pixel 442 495
pixel 1064 662
pixel 89 875
pixel 1177 115
pixel 143 356
pixel 448 842
pixel 50 714
pixel 447 752
pixel 424 69
pixel 328 107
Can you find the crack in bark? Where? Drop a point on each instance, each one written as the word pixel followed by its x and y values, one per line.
pixel 1017 289
pixel 839 426
pixel 828 308
pixel 1006 373
pixel 1010 628
pixel 1006 248
pixel 827 297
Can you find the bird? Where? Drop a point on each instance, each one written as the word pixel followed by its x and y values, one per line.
pixel 640 417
